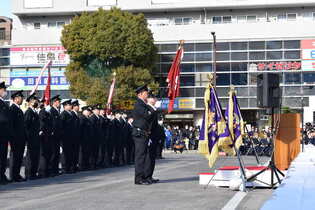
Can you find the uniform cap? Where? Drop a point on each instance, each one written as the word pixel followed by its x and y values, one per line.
pixel 31 97
pixel 17 94
pixel 142 89
pixel 3 85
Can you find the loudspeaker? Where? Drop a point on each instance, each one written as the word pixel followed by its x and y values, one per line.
pixel 268 90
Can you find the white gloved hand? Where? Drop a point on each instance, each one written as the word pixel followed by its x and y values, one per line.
pixel 150 142
pixel 41 133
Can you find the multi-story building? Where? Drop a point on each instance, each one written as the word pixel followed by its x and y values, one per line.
pixel 253 36
pixel 5 41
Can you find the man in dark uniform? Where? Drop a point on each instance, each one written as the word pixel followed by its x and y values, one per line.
pixel 85 138
pixel 130 148
pixel 46 143
pixel 56 134
pixel 103 139
pixel 67 122
pixel 95 140
pixel 110 140
pixel 5 134
pixel 161 140
pixel 141 131
pixel 17 143
pixel 76 133
pixel 31 120
pixel 117 138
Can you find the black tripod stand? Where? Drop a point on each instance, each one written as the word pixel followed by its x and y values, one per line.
pixel 271 166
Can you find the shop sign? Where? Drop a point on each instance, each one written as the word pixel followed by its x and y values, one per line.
pixel 38 55
pixel 276 66
pixel 179 104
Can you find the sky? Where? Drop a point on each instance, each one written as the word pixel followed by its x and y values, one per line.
pixel 5 8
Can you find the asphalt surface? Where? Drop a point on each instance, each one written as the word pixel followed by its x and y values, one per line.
pixel 113 188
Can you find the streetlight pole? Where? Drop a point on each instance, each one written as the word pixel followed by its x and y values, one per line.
pixel 214 61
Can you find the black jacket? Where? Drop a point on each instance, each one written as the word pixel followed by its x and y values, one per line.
pixel 45 122
pixel 18 126
pixel 86 129
pixel 67 122
pixel 56 123
pixel 5 122
pixel 31 120
pixel 96 126
pixel 76 126
pixel 142 115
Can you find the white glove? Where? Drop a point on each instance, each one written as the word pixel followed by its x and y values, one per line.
pixel 150 142
pixel 41 133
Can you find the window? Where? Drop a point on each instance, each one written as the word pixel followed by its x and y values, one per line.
pixel 291 16
pixel 227 19
pixel 239 45
pixel 168 47
pixel 309 78
pixel 188 57
pixel 274 45
pixel 289 91
pixel 203 56
pixel 292 54
pixel 51 24
pixel 187 80
pixel 188 47
pixel 60 24
pixel 313 15
pixel 2 33
pixel 222 56
pixel 223 67
pixel 4 61
pixel 204 47
pixel 241 19
pixel 282 17
pixel 186 92
pixel 239 56
pixel 167 57
pixel 187 67
pixel 36 25
pixel 259 45
pixel 223 46
pixel 274 55
pixel 4 52
pixel 183 21
pixel 239 79
pixel 257 56
pixel 292 78
pixel 203 67
pixel 165 68
pixel 223 79
pixel 291 44
pixel 251 18
pixel 216 19
pixel 239 66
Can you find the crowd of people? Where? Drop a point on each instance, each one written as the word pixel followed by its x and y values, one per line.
pixel 61 137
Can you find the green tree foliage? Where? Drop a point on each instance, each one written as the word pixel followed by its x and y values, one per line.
pixel 101 41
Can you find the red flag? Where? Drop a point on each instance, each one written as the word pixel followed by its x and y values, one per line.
pixel 47 90
pixel 111 93
pixel 173 78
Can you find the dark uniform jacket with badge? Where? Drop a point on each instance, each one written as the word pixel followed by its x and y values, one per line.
pixel 32 126
pixel 5 121
pixel 18 126
pixel 56 122
pixel 142 116
pixel 45 122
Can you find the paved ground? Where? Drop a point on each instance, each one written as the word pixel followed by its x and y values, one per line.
pixel 114 189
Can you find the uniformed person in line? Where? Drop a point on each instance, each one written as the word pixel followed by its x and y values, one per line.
pixel 117 138
pixel 5 133
pixel 96 138
pixel 110 140
pixel 154 137
pixel 124 132
pixel 17 142
pixel 130 147
pixel 32 127
pixel 141 131
pixel 56 134
pixel 46 140
pixel 67 122
pixel 103 140
pixel 76 133
pixel 86 133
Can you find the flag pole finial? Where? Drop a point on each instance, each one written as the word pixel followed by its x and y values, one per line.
pixel 210 78
pixel 114 74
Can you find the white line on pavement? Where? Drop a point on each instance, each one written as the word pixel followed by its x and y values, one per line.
pixel 62 195
pixel 235 200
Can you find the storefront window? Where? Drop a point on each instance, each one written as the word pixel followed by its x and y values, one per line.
pixel 203 56
pixel 239 66
pixel 292 54
pixel 222 56
pixel 203 46
pixel 223 46
pixel 239 79
pixel 169 47
pixel 292 78
pixel 292 91
pixel 187 80
pixel 257 56
pixel 239 45
pixel 259 45
pixel 274 55
pixel 188 57
pixel 309 78
pixel 274 45
pixel 292 44
pixel 223 66
pixel 203 67
pixel 167 57
pixel 239 56
pixel 186 92
pixel 223 79
pixel 187 67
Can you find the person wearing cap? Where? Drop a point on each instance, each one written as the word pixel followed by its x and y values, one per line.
pixel 55 135
pixel 103 140
pixel 46 140
pixel 124 133
pixel 32 128
pixel 17 142
pixel 117 140
pixel 130 148
pixel 76 133
pixel 86 131
pixel 67 122
pixel 5 134
pixel 96 138
pixel 140 133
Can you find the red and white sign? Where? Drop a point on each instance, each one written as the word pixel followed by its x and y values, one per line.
pixel 308 54
pixel 39 55
pixel 275 66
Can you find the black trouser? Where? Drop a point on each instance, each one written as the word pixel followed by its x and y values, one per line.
pixel 142 159
pixel 16 158
pixel 101 154
pixel 55 156
pixel 3 157
pixel 85 152
pixel 130 151
pixel 68 154
pixel 94 153
pixel 76 148
pixel 159 149
pixel 152 155
pixel 110 152
pixel 46 150
pixel 32 157
pixel 118 151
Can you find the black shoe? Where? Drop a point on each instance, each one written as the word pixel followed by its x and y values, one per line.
pixel 153 181
pixel 143 183
pixel 4 180
pixel 18 179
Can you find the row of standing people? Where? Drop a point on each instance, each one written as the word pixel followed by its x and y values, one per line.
pixel 89 139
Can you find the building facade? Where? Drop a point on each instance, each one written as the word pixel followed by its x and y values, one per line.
pixel 253 36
